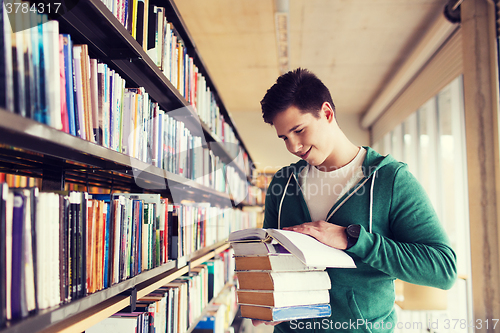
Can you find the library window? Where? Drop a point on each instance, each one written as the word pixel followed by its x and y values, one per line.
pixel 432 142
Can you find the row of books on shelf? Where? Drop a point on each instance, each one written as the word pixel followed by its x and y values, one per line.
pixel 149 25
pixel 197 225
pixel 19 181
pixel 254 196
pixel 59 246
pixel 220 314
pixel 49 78
pixel 178 305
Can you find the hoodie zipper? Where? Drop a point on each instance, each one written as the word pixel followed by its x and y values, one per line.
pixel 372 176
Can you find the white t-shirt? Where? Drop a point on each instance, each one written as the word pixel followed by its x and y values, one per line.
pixel 323 189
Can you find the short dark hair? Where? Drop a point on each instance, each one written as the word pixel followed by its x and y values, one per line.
pixel 299 88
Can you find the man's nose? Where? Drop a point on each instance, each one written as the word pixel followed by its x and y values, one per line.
pixel 295 146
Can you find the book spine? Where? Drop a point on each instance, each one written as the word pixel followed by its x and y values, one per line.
pixel 29 65
pixel 106 109
pixel 4 189
pixel 138 244
pixel 6 70
pixel 121 91
pixel 78 86
pixel 77 251
pixel 145 237
pixel 62 75
pixel 87 106
pixel 17 291
pixel 139 32
pixel 52 75
pixel 117 222
pixel 18 65
pixel 68 72
pixel 84 242
pixel 94 101
pixel 91 204
pixel 107 246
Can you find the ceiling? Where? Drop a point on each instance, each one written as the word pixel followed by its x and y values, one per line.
pixel 353 46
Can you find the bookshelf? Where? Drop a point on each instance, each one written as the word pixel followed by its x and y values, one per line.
pixel 57 157
pixel 33 149
pixel 109 41
pixel 80 314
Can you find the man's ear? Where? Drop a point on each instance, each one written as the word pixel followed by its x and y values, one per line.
pixel 327 109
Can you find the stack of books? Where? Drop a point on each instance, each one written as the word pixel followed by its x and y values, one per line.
pixel 282 274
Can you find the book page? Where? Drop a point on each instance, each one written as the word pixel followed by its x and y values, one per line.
pixel 310 250
pixel 248 235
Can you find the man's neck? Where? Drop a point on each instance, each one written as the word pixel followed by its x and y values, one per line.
pixel 344 152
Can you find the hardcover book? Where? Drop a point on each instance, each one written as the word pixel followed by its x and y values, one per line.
pixel 78 88
pixel 283 281
pixel 94 101
pixel 281 274
pixel 52 73
pixel 6 70
pixel 281 262
pixel 283 298
pixel 62 94
pixel 18 64
pixel 18 296
pixel 310 251
pixel 68 70
pixel 87 105
pixel 23 292
pixel 268 313
pixel 4 189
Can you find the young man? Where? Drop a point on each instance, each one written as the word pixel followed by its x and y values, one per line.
pixel 353 199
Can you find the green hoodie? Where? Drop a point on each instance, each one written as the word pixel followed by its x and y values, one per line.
pixel 404 240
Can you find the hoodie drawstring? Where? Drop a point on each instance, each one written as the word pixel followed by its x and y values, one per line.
pixel 281 202
pixel 371 201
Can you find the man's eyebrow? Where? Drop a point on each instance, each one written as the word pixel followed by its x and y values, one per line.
pixel 290 130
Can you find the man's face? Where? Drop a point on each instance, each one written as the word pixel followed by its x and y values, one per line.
pixel 306 136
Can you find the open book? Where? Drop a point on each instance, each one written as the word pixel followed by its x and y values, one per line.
pixel 309 250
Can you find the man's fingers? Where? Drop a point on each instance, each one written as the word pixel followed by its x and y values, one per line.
pixel 256 322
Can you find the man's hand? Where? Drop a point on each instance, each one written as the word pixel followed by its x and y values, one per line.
pixel 256 322
pixel 327 233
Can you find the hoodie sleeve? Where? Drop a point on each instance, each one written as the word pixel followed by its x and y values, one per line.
pixel 418 250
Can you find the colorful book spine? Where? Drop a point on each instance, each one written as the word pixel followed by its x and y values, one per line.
pixel 68 70
pixel 17 297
